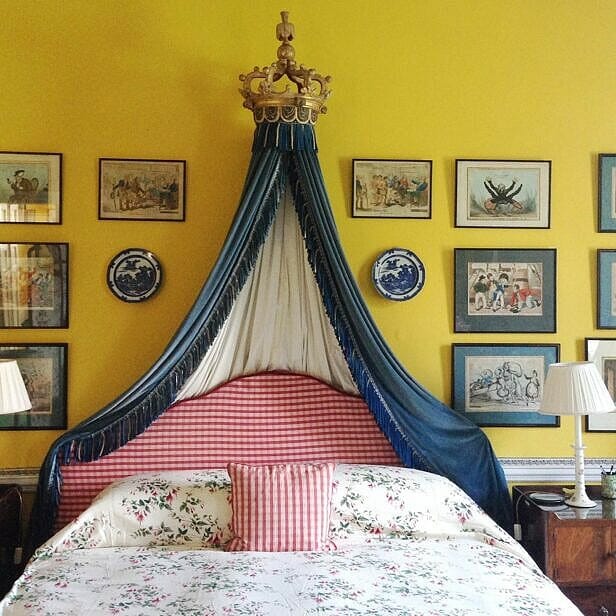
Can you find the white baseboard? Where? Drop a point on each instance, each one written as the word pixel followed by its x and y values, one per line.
pixel 553 470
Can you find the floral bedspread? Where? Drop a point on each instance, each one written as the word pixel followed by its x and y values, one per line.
pixel 406 543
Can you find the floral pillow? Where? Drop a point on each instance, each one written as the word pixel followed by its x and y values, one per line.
pixel 370 502
pixel 187 508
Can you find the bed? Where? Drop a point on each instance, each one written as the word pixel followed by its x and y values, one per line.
pixel 399 541
pixel 150 534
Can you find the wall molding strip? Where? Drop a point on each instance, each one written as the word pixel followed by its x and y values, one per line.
pixel 553 470
pixel 531 470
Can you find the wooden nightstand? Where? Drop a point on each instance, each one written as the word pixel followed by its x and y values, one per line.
pixel 575 547
pixel 11 507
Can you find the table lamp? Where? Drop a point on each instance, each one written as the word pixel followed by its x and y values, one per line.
pixel 13 395
pixel 577 389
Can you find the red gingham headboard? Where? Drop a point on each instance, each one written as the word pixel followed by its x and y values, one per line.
pixel 265 418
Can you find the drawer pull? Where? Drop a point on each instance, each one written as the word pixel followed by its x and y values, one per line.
pixel 611 554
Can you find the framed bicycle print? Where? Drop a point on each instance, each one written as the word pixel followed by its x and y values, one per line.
pixel 501 385
pixel 505 290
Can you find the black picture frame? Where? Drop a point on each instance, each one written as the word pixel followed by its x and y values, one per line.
pixel 388 188
pixel 509 290
pixel 31 188
pixel 500 385
pixel 33 285
pixel 142 189
pixel 503 194
pixel 44 369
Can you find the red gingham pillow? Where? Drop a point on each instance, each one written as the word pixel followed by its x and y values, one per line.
pixel 280 507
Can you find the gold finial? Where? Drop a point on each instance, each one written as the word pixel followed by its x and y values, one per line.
pixel 271 105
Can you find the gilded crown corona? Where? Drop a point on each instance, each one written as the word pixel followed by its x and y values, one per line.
pixel 269 104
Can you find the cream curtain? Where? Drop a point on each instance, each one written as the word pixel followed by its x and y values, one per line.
pixel 278 321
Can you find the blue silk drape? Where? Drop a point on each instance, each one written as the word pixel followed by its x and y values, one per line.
pixel 425 433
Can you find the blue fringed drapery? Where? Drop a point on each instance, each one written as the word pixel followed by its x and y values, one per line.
pixel 424 432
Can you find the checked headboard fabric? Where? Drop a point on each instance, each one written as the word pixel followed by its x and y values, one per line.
pixel 265 418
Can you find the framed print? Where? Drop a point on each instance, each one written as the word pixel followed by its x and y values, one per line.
pixel 33 285
pixel 501 385
pixel 392 188
pixel 607 192
pixel 508 194
pixel 505 290
pixel 43 368
pixel 30 187
pixel 606 289
pixel 602 352
pixel 134 189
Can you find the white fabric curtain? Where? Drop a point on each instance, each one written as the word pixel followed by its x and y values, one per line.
pixel 278 321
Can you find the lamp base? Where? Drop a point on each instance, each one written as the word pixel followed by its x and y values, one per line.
pixel 580 500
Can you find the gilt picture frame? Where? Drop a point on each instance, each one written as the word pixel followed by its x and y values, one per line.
pixel 509 194
pixel 602 352
pixel 505 290
pixel 142 189
pixel 44 370
pixel 607 193
pixel 33 285
pixel 392 188
pixel 500 385
pixel 31 187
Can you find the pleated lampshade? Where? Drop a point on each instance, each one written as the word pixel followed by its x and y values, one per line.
pixel 575 388
pixel 13 395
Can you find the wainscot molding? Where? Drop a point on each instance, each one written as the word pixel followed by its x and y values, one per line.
pixel 557 470
pixel 525 470
pixel 26 478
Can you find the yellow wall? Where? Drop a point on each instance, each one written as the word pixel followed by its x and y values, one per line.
pixel 412 79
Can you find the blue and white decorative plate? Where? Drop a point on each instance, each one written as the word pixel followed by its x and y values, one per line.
pixel 134 275
pixel 398 274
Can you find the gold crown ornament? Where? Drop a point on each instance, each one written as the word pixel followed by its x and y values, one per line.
pixel 269 104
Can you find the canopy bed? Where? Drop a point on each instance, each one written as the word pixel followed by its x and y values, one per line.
pixel 277 458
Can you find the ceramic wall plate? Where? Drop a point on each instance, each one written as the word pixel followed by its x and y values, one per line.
pixel 398 274
pixel 134 275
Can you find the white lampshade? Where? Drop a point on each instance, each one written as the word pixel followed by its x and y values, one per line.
pixel 13 395
pixel 575 388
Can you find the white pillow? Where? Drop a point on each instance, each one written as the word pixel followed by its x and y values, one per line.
pixel 187 508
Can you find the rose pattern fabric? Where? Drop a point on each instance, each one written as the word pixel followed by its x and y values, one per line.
pixel 408 544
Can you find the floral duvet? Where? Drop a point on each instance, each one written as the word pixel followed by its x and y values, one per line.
pixel 404 543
